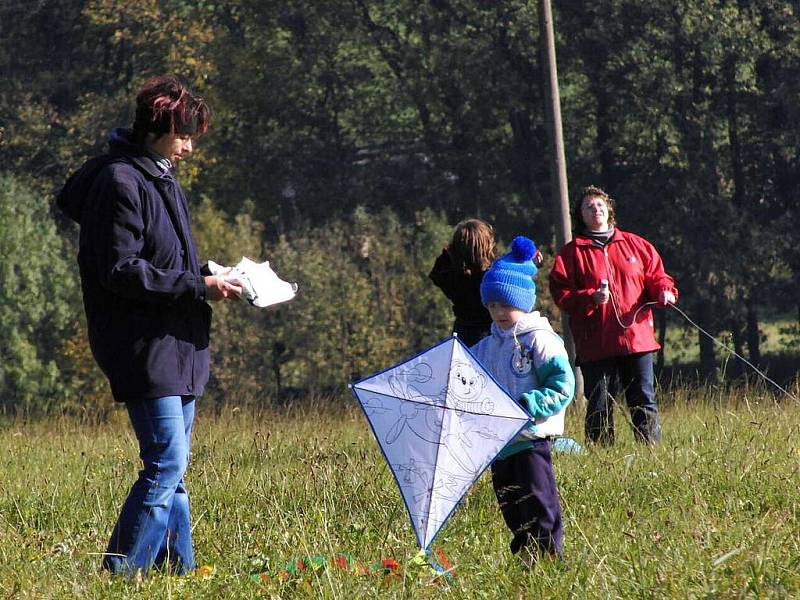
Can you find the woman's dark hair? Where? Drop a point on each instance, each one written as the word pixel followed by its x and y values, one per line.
pixel 165 105
pixel 472 248
pixel 593 191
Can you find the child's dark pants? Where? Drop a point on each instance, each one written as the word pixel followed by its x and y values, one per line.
pixel 526 490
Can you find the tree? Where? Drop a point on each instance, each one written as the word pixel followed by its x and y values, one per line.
pixel 37 293
pixel 328 113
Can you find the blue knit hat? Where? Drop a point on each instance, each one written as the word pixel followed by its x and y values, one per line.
pixel 510 279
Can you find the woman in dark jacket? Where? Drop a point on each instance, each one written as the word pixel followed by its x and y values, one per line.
pixel 146 311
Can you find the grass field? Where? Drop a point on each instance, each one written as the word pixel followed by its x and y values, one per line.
pixel 713 512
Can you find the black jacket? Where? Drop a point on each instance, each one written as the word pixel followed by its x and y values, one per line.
pixel 464 291
pixel 143 292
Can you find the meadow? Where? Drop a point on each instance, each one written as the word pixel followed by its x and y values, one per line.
pixel 712 512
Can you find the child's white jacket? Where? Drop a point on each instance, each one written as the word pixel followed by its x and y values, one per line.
pixel 530 361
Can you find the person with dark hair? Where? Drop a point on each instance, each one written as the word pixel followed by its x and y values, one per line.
pixel 606 279
pixel 146 308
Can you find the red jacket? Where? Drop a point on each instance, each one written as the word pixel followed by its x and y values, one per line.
pixel 635 275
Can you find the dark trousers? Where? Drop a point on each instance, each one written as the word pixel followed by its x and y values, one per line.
pixel 526 490
pixel 603 381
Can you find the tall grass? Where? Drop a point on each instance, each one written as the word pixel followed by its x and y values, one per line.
pixel 711 512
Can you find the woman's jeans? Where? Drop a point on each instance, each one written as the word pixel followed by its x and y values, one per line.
pixel 153 526
pixel 634 374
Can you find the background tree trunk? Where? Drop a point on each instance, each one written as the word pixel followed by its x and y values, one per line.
pixel 708 361
pixel 753 335
pixel 734 364
pixel 661 319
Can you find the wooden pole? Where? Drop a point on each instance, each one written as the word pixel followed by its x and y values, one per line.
pixel 558 163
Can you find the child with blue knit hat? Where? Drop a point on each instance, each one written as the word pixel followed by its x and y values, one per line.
pixel 528 358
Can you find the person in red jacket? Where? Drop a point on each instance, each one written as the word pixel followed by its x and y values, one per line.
pixel 607 280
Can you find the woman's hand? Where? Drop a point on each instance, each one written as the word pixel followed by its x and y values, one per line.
pixel 666 297
pixel 601 296
pixel 218 288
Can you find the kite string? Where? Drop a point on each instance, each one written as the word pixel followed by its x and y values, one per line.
pixel 700 329
pixel 611 294
pixel 736 354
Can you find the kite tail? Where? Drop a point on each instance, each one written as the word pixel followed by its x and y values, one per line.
pixel 424 564
pixel 434 560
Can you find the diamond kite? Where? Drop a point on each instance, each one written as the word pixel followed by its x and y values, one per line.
pixel 440 419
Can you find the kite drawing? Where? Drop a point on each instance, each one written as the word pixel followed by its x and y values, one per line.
pixel 440 419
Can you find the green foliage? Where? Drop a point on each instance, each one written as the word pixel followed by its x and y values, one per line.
pixel 778 336
pixel 237 336
pixel 37 293
pixel 364 300
pixel 686 112
pixel 711 512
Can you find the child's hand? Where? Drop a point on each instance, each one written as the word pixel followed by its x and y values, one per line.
pixel 530 401
pixel 538 259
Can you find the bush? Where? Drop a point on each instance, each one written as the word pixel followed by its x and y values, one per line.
pixel 38 296
pixel 364 301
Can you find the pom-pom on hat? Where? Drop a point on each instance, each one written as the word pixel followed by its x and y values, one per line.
pixel 510 278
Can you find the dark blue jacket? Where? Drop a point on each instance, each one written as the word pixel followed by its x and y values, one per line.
pixel 143 292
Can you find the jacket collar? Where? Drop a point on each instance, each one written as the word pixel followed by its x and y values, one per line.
pixel 582 240
pixel 529 322
pixel 120 141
